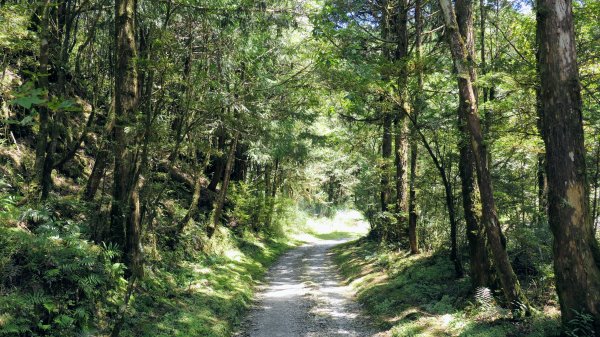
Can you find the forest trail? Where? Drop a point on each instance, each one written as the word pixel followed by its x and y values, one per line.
pixel 303 297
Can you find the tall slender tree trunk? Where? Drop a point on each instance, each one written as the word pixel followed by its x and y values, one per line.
pixel 219 164
pixel 386 154
pixel 480 267
pixel 218 209
pixel 513 293
pixel 479 261
pixel 454 253
pixel 101 158
pixel 449 196
pixel 401 162
pixel 387 119
pixel 195 204
pixel 576 252
pixel 414 148
pixel 400 27
pixel 43 69
pixel 125 224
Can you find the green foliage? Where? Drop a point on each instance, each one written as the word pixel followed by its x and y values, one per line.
pixel 8 208
pixel 196 293
pixel 250 207
pixel 418 296
pixel 580 326
pixel 53 282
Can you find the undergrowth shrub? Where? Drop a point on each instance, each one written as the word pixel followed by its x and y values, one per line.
pixel 252 210
pixel 580 326
pixel 54 283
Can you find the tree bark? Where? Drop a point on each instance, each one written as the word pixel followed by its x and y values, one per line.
pixel 102 159
pixel 387 119
pixel 240 166
pixel 386 154
pixel 576 252
pixel 401 162
pixel 414 148
pixel 125 224
pixel 595 183
pixel 449 196
pixel 43 124
pixel 218 209
pixel 219 164
pixel 480 267
pixel 195 204
pixel 400 27
pixel 513 293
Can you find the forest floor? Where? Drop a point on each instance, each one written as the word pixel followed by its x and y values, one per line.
pixel 304 297
pixel 417 296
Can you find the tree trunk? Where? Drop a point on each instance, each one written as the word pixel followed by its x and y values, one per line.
pixel 576 252
pixel 101 159
pixel 219 165
pixel 595 185
pixel 441 168
pixel 195 204
pixel 401 162
pixel 513 293
pixel 418 105
pixel 400 27
pixel 480 267
pixel 49 160
pixel 386 154
pixel 42 136
pixel 542 181
pixel 125 224
pixel 100 164
pixel 218 209
pixel 454 254
pixel 240 166
pixel 479 261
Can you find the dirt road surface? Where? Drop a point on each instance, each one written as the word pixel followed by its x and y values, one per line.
pixel 303 297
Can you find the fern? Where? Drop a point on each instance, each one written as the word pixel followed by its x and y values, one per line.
pixel 52 280
pixel 484 298
pixel 582 325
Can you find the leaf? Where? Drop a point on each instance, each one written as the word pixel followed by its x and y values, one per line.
pixel 51 307
pixel 27 101
pixel 64 320
pixel 27 121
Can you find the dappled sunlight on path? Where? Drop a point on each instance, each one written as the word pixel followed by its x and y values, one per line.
pixel 303 297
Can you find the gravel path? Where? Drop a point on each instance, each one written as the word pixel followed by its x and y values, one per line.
pixel 303 297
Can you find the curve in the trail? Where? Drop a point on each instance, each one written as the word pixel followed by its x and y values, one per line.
pixel 303 297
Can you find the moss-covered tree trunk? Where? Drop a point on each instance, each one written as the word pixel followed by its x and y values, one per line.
pixel 125 225
pixel 399 25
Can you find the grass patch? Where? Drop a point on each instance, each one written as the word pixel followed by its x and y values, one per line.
pixel 205 295
pixel 418 296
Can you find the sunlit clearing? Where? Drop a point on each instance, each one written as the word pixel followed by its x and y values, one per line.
pixel 345 224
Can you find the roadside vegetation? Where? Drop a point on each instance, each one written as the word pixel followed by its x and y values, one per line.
pixel 418 296
pixel 55 282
